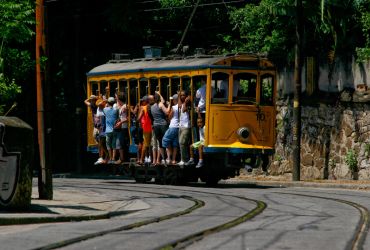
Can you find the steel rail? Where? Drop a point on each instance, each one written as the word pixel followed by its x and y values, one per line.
pixel 197 204
pixel 362 227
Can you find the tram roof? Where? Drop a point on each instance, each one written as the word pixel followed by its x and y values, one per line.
pixel 173 64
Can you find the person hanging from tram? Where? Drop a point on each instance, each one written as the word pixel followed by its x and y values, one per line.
pixel 184 126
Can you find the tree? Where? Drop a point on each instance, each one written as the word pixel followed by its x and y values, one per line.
pixel 267 27
pixel 16 21
pixel 363 51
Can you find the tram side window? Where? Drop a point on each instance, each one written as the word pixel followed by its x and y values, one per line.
pixel 246 93
pixel 113 88
pixel 104 89
pixel 95 89
pixel 267 90
pixel 165 88
pixel 220 86
pixel 133 93
pixel 154 85
pixel 186 86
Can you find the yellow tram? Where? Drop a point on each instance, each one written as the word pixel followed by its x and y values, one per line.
pixel 240 101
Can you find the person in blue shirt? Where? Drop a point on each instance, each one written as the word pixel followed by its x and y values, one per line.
pixel 111 116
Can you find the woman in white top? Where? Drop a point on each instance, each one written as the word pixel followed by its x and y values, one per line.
pixel 184 127
pixel 171 138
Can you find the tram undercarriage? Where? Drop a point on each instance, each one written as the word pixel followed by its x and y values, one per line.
pixel 216 168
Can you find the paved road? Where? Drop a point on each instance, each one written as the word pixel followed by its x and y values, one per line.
pixel 195 217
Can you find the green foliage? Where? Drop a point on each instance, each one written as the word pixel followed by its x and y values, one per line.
pixel 351 160
pixel 16 20
pixel 266 88
pixel 260 30
pixel 367 149
pixel 269 27
pixel 363 53
pixel 16 28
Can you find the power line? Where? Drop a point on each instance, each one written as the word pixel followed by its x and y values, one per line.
pixel 192 6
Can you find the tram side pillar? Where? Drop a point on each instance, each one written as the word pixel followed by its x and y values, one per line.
pixel 16 161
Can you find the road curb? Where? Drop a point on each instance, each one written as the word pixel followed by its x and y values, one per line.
pixel 6 221
pixel 286 184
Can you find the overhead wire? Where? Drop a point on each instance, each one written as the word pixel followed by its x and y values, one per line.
pixel 192 6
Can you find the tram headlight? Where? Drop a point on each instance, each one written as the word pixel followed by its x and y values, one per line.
pixel 243 134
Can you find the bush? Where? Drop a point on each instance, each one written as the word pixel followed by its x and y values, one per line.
pixel 351 160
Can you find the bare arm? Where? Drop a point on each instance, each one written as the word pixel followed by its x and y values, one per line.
pixel 140 113
pixel 164 109
pixel 87 102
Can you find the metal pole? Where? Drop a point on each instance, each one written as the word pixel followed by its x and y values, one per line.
pixel 45 180
pixel 297 93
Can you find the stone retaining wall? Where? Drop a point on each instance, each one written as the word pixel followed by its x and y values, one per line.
pixel 328 133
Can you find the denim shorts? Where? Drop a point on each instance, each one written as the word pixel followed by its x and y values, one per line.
pixel 171 138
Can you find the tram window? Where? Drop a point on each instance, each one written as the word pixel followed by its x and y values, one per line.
pixel 133 92
pixel 186 85
pixel 165 88
pixel 154 86
pixel 113 88
pixel 220 86
pixel 94 88
pixel 175 85
pixel 122 88
pixel 267 89
pixel 143 87
pixel 246 91
pixel 104 89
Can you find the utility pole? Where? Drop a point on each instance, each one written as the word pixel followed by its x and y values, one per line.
pixel 297 93
pixel 45 175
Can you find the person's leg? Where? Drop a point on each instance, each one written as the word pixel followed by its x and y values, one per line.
pixel 200 162
pixel 174 154
pixel 104 149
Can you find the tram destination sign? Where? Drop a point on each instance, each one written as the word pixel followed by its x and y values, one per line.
pixel 9 170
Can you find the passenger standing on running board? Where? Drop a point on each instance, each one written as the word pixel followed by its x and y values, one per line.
pixel 171 137
pixel 160 126
pixel 184 127
pixel 111 115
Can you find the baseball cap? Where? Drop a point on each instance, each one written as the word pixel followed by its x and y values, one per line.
pixel 111 100
pixel 174 97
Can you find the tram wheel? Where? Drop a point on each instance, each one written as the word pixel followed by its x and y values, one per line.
pixel 140 180
pixel 212 181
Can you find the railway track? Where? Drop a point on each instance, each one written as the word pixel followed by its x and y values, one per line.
pixel 357 241
pixel 260 206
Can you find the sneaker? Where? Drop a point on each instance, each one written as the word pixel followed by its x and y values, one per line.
pixel 190 162
pixel 111 162
pixel 248 168
pixel 199 165
pixel 118 162
pixel 181 163
pixel 99 161
pixel 168 161
pixel 146 159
